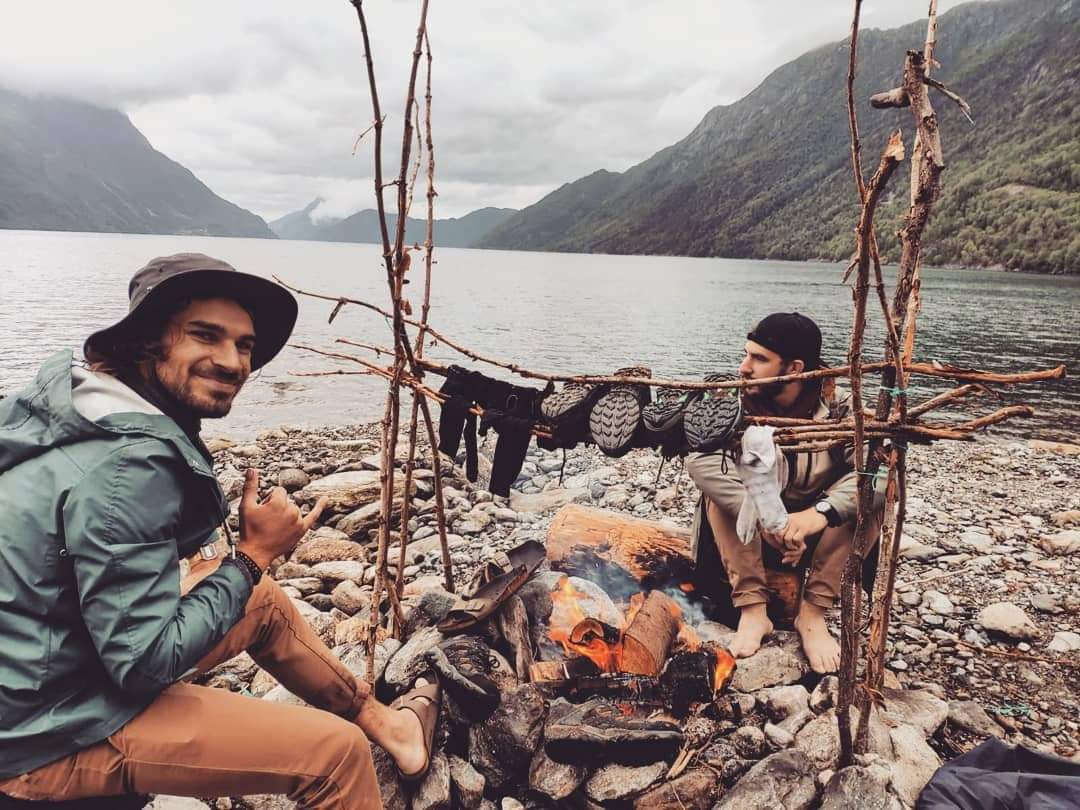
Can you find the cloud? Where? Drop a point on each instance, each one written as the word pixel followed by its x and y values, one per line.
pixel 264 99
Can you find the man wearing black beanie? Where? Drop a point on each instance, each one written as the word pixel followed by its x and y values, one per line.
pixel 820 494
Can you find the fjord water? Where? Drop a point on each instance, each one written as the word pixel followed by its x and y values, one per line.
pixel 554 312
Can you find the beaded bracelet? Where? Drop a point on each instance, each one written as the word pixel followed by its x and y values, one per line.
pixel 250 568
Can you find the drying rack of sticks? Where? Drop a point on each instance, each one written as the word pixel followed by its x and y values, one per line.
pixel 879 435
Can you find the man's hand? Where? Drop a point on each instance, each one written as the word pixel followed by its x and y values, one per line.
pixel 273 527
pixel 791 540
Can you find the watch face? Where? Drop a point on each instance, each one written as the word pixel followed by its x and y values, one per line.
pixel 823 507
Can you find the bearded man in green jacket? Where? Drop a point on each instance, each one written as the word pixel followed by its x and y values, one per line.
pixel 104 486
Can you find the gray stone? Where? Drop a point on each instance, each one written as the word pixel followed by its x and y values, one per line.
pixel 293 479
pixel 920 551
pixel 916 707
pixel 355 658
pixel 782 781
pixel 358 522
pixel 468 783
pixel 1064 542
pixel 338 570
pixel 614 782
pixel 433 793
pixel 1009 620
pixel 346 491
pixel 783 701
pixel 510 803
pixel 386 774
pixel 773 665
pixel 556 780
pixel 409 663
pixel 176 803
pixel 859 788
pixel 304 585
pixel 1064 641
pixel 502 747
pixel 327 545
pixel 977 539
pixel 938 602
pixel 913 762
pixel 694 790
pixel 749 741
pixel 969 716
pixel 546 501
pixel 1047 603
pixel 824 695
pixel 349 597
pixel 778 738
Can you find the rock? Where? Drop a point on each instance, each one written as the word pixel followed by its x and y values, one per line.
pixel 246 450
pixel 824 695
pixel 217 444
pixel 338 570
pixel 355 658
pixel 556 780
pixel 820 738
pixel 859 788
pixel 1064 542
pixel 694 790
pixel 347 491
pixel 433 793
pixel 510 803
pixel 920 551
pixel 432 608
pixel 177 803
pixel 349 597
pixel 614 782
pixel 977 539
pixel 783 701
pixel 913 762
pixel 279 694
pixel 1069 517
pixel 1047 603
pixel 422 585
pixel 545 501
pixel 749 741
pixel 467 783
pixel 293 479
pixel 468 527
pixel 357 523
pixel 1009 620
pixel 795 722
pixel 938 603
pixel 353 630
pixel 969 716
pixel 777 737
pixel 305 586
pixel 782 781
pixel 1060 448
pixel 386 774
pixel 268 801
pixel 325 548
pixel 916 707
pixel 408 663
pixel 1064 641
pixel 772 665
pixel 502 747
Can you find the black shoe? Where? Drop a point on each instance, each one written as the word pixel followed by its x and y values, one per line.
pixel 710 422
pixel 615 418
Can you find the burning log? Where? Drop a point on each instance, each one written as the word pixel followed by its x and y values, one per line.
pixel 513 621
pixel 649 635
pixel 645 553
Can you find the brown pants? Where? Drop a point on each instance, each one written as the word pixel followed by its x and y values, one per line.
pixel 746 568
pixel 199 741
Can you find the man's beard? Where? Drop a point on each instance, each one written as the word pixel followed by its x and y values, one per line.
pixel 212 406
pixel 765 395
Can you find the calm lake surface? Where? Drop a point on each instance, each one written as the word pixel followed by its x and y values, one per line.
pixel 550 312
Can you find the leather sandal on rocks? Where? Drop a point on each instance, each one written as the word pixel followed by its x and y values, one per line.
pixel 488 598
pixel 423 701
pixel 529 554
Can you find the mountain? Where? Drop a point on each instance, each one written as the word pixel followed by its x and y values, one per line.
pixel 363 226
pixel 70 166
pixel 769 176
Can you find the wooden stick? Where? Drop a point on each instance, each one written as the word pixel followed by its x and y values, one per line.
pixel 1059 662
pixel 850 597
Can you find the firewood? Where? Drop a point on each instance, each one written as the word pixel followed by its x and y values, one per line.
pixel 649 636
pixel 513 621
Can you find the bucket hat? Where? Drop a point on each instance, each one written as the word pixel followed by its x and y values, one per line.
pixel 185 275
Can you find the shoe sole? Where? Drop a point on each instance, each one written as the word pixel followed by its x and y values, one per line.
pixel 710 423
pixel 614 420
pixel 566 398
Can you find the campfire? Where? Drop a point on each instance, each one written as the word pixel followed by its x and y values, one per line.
pixel 650 638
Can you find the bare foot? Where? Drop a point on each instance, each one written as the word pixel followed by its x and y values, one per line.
pixel 397 731
pixel 754 625
pixel 822 650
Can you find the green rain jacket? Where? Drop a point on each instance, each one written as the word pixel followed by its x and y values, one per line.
pixel 100 495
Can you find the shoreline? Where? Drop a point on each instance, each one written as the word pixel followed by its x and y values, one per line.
pixel 979 518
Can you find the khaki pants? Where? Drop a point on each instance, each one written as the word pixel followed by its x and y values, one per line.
pixel 746 568
pixel 200 741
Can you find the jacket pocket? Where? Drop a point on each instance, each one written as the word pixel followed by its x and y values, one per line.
pixel 29 629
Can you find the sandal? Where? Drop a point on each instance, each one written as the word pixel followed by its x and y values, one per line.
pixel 615 418
pixel 529 554
pixel 469 611
pixel 423 701
pixel 710 422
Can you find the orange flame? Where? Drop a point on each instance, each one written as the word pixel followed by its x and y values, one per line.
pixel 724 670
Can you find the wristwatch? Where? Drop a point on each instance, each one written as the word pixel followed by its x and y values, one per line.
pixel 832 517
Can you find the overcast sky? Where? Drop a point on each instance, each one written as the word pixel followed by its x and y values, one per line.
pixel 263 99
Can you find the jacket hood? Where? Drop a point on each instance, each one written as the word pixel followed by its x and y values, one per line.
pixel 67 403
